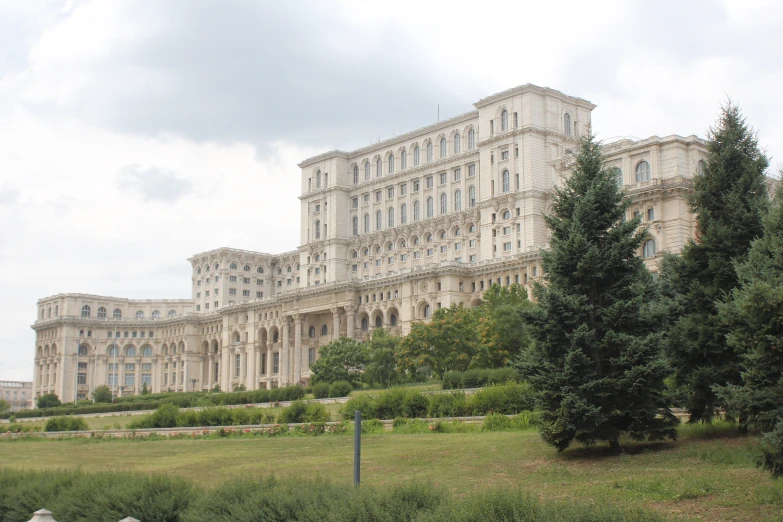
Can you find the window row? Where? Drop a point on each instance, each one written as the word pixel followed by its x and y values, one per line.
pixel 232 266
pixel 117 313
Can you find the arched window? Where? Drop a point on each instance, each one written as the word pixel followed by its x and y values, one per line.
pixel 140 314
pixel 260 270
pixel 276 337
pixel 49 312
pixel 416 156
pixel 429 152
pixel 206 268
pixel 56 310
pixel 246 268
pixel 156 314
pixel 146 351
pixel 567 124
pixel 504 120
pixel 428 238
pixel 443 235
pixel 86 311
pixel 443 147
pixel 472 196
pixel 378 322
pixel 457 201
pixel 82 350
pixel 456 143
pixel 311 332
pixel 617 173
pixel 391 217
pixel 506 181
pixel 472 228
pixel 367 171
pixel 426 311
pixel 649 248
pixel 172 313
pixel 355 222
pixel 367 223
pixel 416 210
pixel 391 164
pixel 364 324
pixel 117 314
pixel 114 352
pixel 393 320
pixel 378 220
pixel 415 240
pixel 355 174
pixel 42 313
pixel 430 210
pixel 642 171
pixel 443 203
pixel 318 179
pixel 130 351
pixel 457 232
pixel 471 139
pixel 403 214
pixel 233 266
pixel 324 330
pixel 506 215
pixel 403 160
pixel 378 168
pixel 702 167
pixel 101 313
pixel 198 271
pixel 317 229
pixel 216 266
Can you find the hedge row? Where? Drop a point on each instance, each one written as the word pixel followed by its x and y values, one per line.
pixel 182 400
pixel 478 378
pixel 75 495
pixel 507 399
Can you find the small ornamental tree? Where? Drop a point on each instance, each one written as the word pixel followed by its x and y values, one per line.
pixel 343 359
pixel 381 359
pixel 596 364
pixel 501 327
pixel 729 198
pixel 754 319
pixel 102 393
pixel 49 400
pixel 4 406
pixel 448 343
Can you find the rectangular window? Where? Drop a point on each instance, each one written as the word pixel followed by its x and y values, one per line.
pixel 216 304
pixel 311 355
pixel 142 333
pixel 391 260
pixel 516 120
pixel 146 378
pixel 429 182
pixel 442 178
pixel 198 308
pixel 472 243
pixel 506 231
pixel 650 214
pixel 246 280
pixel 504 155
pixel 471 171
pixel 457 246
pixel 206 293
pixel 416 186
pixel 417 255
pixel 245 293
pixel 403 257
pixel 276 362
pixel 366 199
pixel 429 252
pixel 377 262
pixel 457 174
pixel 259 295
pixel 378 196
pixel 237 364
pixel 134 334
pixel 355 203
pixel 232 291
pixel 354 268
pixel 507 247
pixel 403 189
pixel 232 279
pixel 390 192
pixel 366 265
pixel 206 306
pixel 259 282
pixel 81 378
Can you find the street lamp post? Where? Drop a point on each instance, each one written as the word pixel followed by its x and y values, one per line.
pixel 193 384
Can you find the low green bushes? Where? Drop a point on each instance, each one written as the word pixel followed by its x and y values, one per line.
pixel 75 495
pixel 478 378
pixel 17 428
pixel 303 412
pixel 66 424
pixel 340 389
pixel 507 399
pixel 320 390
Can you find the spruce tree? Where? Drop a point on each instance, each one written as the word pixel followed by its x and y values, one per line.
pixel 597 363
pixel 754 318
pixel 729 197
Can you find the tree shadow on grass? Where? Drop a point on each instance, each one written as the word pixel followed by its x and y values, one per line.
pixel 601 451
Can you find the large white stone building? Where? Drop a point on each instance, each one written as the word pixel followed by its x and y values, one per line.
pixel 389 233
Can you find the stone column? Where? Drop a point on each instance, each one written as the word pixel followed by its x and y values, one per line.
pixel 258 355
pixel 121 375
pixel 350 322
pixel 225 371
pixel 283 374
pixel 297 349
pixel 210 371
pixel 155 374
pixel 336 321
pixel 269 365
pixel 137 379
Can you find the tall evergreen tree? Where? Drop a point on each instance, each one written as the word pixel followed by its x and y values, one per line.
pixel 754 318
pixel 597 362
pixel 729 198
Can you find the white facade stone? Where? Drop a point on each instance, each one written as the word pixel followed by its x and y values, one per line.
pixel 359 265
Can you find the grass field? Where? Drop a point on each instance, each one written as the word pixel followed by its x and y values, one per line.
pixel 706 475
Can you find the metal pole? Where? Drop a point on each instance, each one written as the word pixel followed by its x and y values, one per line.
pixel 357 447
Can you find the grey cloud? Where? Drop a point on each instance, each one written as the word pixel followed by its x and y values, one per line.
pixel 257 72
pixel 153 184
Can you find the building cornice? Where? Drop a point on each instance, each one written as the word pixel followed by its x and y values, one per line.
pixel 529 87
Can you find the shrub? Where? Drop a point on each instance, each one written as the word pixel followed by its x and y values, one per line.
pixel 294 413
pixel 102 393
pixel 66 424
pixel 454 404
pixel 48 400
pixel 414 405
pixel 340 389
pixel 497 422
pixel 479 378
pixel 364 403
pixel 165 416
pixel 508 399
pixel 321 390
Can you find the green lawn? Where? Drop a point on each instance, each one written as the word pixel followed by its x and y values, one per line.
pixel 706 475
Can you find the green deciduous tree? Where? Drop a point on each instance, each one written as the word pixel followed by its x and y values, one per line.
pixel 4 406
pixel 48 400
pixel 449 342
pixel 382 359
pixel 754 319
pixel 501 327
pixel 597 363
pixel 343 359
pixel 729 198
pixel 102 393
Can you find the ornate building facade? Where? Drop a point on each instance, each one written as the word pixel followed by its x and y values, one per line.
pixel 389 233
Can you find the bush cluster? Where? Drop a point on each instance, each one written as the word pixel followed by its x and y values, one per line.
pixel 66 424
pixel 75 495
pixel 180 399
pixel 478 378
pixel 17 428
pixel 506 399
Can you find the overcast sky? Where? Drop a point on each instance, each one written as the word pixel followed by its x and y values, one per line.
pixel 136 133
